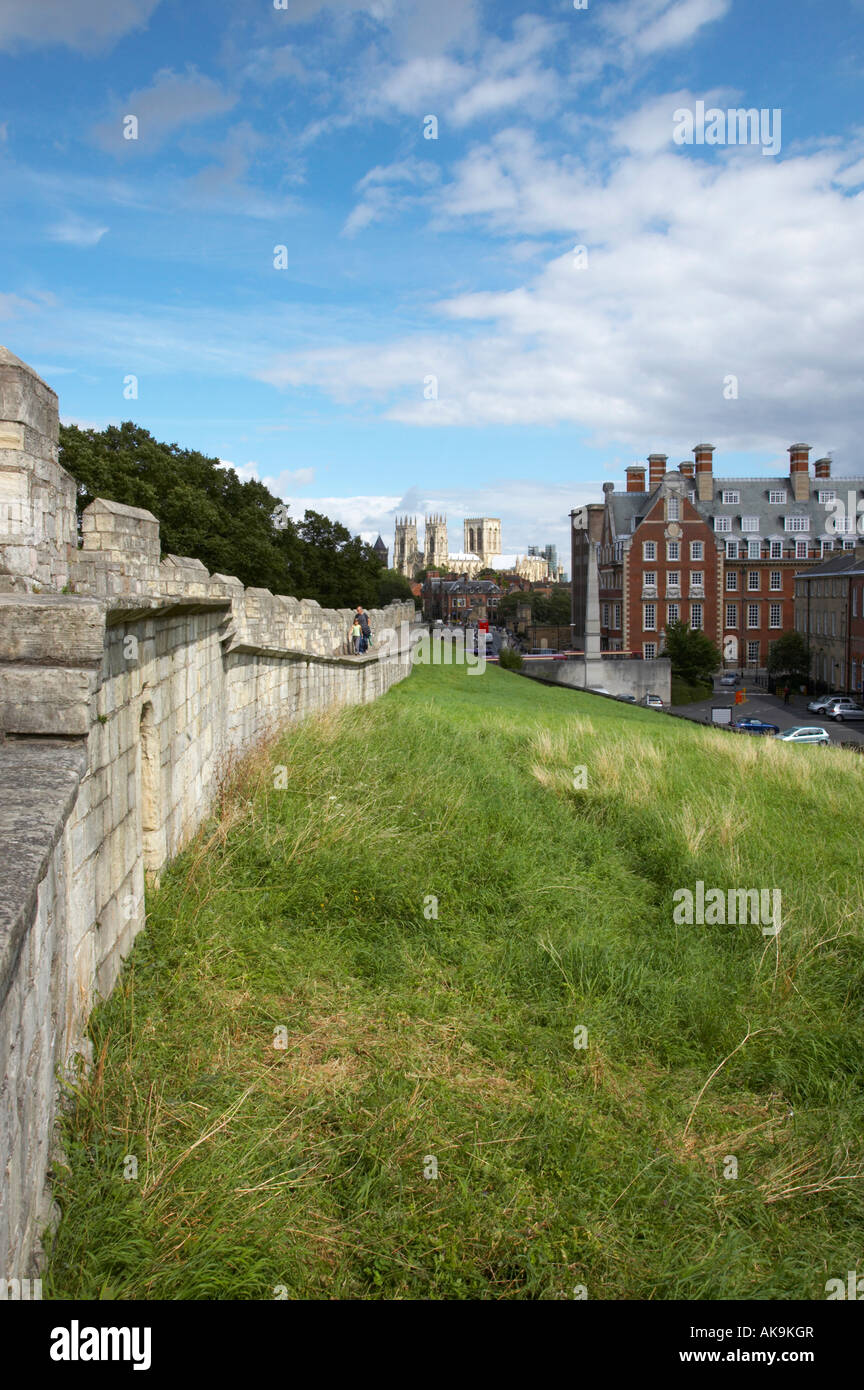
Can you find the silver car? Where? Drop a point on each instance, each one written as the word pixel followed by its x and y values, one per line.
pixel 841 710
pixel 821 703
pixel 809 734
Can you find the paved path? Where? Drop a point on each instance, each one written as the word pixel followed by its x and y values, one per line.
pixel 760 705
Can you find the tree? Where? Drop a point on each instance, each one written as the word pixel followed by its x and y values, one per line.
pixel 393 585
pixel 206 511
pixel 694 656
pixel 789 657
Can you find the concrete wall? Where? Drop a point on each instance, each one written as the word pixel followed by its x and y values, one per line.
pixel 618 675
pixel 122 701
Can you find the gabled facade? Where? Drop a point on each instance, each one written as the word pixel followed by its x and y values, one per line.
pixel 720 554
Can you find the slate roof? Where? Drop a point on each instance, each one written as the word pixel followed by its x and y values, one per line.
pixel 754 501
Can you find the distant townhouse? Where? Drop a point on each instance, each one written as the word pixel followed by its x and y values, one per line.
pixel 720 554
pixel 829 613
pixel 460 600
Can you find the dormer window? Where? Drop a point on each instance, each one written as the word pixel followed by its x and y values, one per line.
pixel 673 509
pixel 777 495
pixel 827 495
pixel 730 497
pixel 722 523
pixel 749 523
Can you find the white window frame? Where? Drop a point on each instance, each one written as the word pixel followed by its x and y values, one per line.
pixel 731 550
pixel 670 609
pixel 730 497
pixel 696 617
pixel 776 609
pixel 697 550
pixel 776 588
pixel 649 651
pixel 697 579
pixel 749 523
pixel 646 625
pixel 673 550
pixel 732 581
pixel 754 580
pixel 673 509
pixel 795 522
pixel 776 550
pixel 722 523
pixel 731 614
pixel 751 609
pixel 801 550
pixel 649 550
pixel 753 657
pixel 777 497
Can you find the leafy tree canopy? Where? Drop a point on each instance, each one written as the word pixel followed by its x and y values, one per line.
pixel 694 656
pixel 208 512
pixel 789 656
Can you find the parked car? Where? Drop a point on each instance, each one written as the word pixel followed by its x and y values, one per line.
pixel 651 702
pixel 842 710
pixel 821 703
pixel 629 699
pixel 730 679
pixel 807 734
pixel 598 690
pixel 755 726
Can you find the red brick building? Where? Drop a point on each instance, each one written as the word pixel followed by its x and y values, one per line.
pixel 720 554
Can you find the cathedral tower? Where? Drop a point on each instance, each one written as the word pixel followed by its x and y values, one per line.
pixel 436 552
pixel 483 536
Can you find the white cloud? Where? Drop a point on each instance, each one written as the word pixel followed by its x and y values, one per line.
pixel 171 102
pixel 89 25
pixel 77 231
pixel 645 27
pixel 697 271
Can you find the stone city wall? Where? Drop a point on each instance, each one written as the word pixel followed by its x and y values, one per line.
pixel 129 682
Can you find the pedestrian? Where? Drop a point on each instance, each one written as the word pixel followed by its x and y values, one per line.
pixel 356 636
pixel 786 693
pixel 362 618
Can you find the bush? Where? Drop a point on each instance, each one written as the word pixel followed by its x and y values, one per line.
pixel 510 659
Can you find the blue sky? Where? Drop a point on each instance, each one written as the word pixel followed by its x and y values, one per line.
pixel 408 259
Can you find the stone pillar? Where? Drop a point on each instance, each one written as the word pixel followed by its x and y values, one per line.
pixel 37 496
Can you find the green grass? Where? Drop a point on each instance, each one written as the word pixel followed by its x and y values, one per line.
pixel 407 1035
pixel 689 692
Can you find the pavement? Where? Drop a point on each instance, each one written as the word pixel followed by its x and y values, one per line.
pixel 758 704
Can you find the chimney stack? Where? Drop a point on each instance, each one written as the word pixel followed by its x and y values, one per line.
pixel 822 468
pixel 799 471
pixel 704 454
pixel 656 469
pixel 687 469
pixel 636 478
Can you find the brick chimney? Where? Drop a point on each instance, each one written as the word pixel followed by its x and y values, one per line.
pixel 687 469
pixel 799 471
pixel 636 478
pixel 822 468
pixel 656 469
pixel 704 455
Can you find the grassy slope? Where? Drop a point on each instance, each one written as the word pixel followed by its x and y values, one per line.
pixel 409 1037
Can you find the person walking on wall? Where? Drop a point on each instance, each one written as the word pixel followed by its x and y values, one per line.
pixel 356 636
pixel 362 617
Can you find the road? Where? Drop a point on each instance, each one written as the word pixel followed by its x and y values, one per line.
pixel 760 705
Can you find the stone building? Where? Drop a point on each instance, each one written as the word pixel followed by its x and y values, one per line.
pixel 829 614
pixel 482 539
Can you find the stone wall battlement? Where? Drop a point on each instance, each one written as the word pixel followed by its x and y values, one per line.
pixel 129 681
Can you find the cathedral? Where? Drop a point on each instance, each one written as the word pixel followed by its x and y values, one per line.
pixel 481 550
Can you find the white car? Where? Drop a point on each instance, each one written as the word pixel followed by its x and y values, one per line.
pixel 651 702
pixel 811 733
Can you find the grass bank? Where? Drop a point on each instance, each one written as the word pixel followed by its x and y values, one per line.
pixel 368 969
